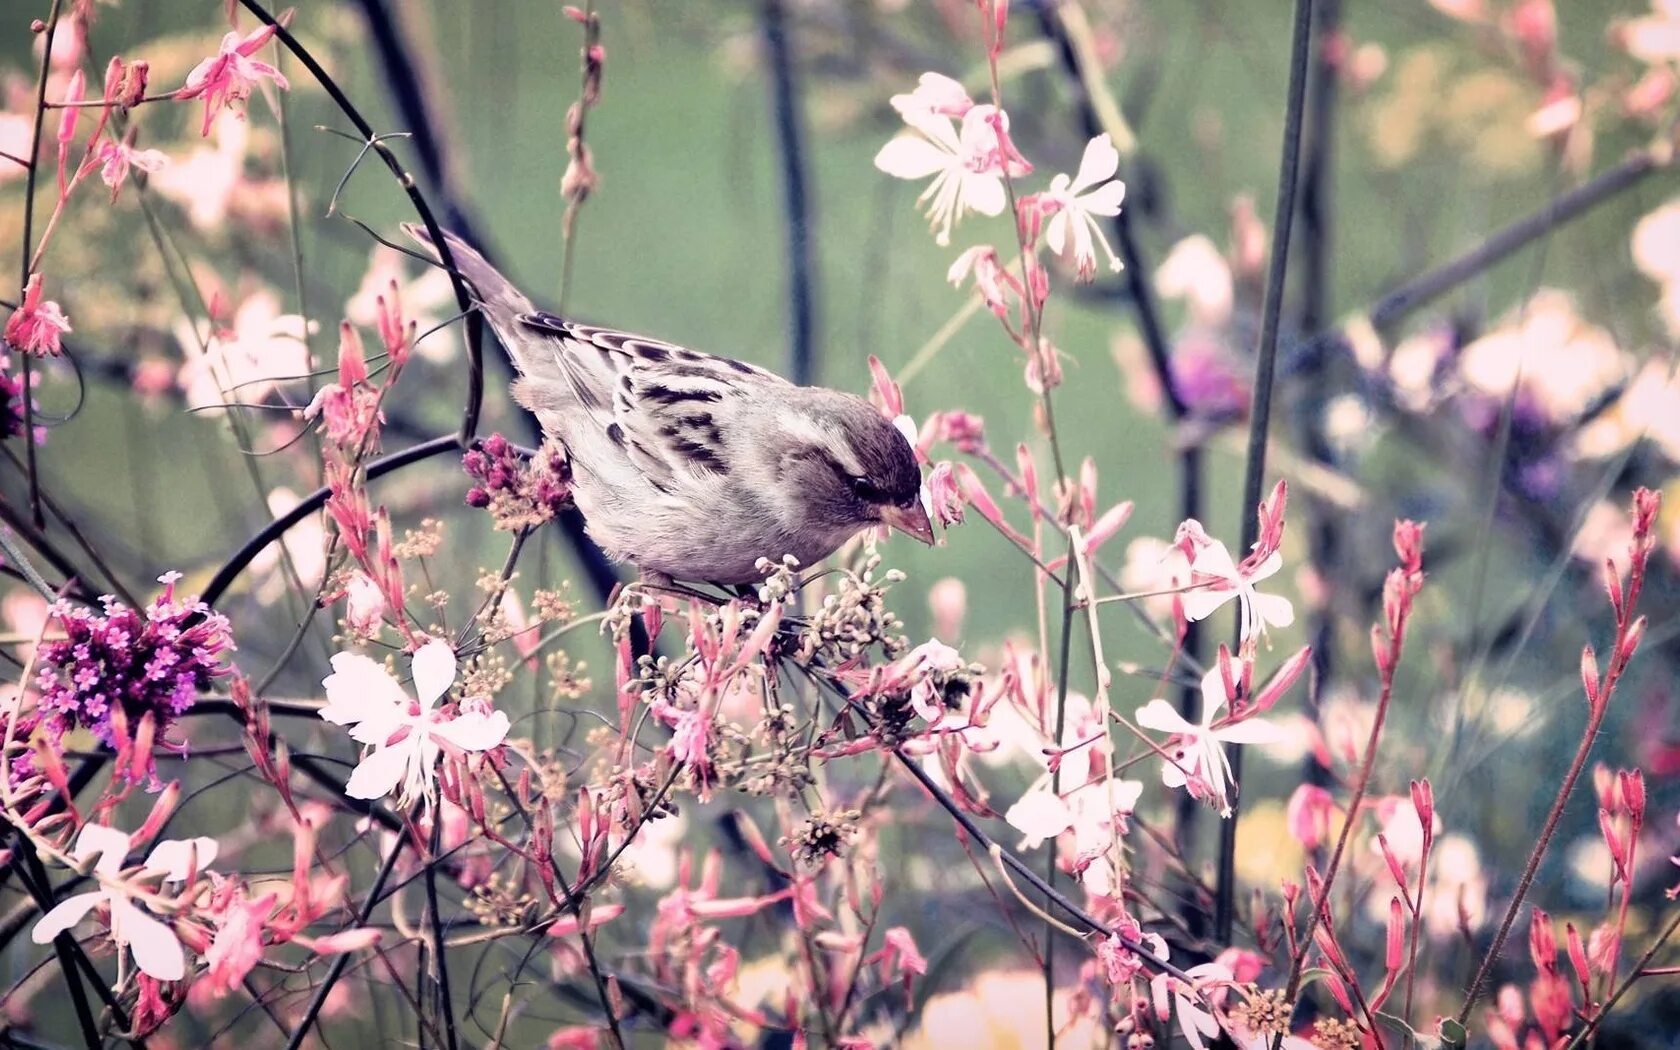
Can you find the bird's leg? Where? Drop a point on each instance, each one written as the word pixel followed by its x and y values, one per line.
pixel 657 583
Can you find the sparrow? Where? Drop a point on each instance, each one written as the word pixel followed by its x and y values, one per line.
pixel 691 466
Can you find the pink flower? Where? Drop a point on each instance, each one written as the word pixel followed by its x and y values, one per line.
pixel 1198 755
pixel 238 944
pixel 231 74
pixel 364 605
pixel 1077 202
pixel 1656 37
pixel 35 327
pixel 1039 815
pixel 967 165
pixel 1308 815
pixel 945 495
pixel 1194 1019
pixel 994 283
pixel 1197 272
pixel 116 158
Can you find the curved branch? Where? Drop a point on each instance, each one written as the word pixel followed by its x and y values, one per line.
pixel 243 557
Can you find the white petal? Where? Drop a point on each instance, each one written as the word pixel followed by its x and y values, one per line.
pixel 434 672
pixel 473 732
pixel 983 192
pixel 1274 609
pixel 1269 567
pixel 109 844
pixel 1123 795
pixel 1215 560
pixel 1105 199
pixel 1213 696
pixel 1203 602
pixel 379 727
pixel 359 688
pixel 910 156
pixel 1038 815
pixel 380 771
pixel 1101 161
pixel 173 857
pixel 157 951
pixel 67 913
pixel 1055 234
pixel 1163 718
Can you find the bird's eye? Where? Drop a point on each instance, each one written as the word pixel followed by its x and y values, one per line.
pixel 867 490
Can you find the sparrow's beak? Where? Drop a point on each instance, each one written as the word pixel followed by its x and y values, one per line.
pixel 912 521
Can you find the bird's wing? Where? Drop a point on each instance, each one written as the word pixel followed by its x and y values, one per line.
pixel 661 403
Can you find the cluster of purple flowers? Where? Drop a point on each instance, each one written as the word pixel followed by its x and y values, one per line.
pixel 155 663
pixel 517 493
pixel 11 402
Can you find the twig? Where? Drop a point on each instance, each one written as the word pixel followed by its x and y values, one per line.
pixel 439 961
pixel 341 961
pixel 1432 284
pixel 1261 411
pixel 33 169
pixel 784 92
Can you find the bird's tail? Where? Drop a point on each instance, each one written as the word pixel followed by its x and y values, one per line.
pixel 501 302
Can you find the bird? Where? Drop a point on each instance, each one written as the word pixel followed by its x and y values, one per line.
pixel 691 466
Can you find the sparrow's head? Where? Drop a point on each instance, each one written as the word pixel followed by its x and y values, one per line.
pixel 854 468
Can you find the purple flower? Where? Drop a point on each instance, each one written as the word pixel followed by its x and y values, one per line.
pixel 153 663
pixel 517 494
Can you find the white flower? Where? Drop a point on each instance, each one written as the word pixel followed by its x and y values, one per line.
pixel 1197 272
pixel 921 663
pixel 406 735
pixel 1078 202
pixel 1194 1020
pixel 1258 611
pixel 1199 761
pixel 967 167
pixel 156 949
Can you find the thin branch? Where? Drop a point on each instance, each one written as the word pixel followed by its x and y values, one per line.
pixel 1261 411
pixel 1433 284
pixel 341 961
pixel 241 558
pixel 784 92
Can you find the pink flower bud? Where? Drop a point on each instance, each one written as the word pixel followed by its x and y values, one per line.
pixel 1308 815
pixel 1632 784
pixel 352 366
pixel 1281 681
pixel 886 393
pixel 1395 956
pixel 1577 955
pixel 1589 675
pixel 1423 800
pixel 1542 941
pixel 1630 641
